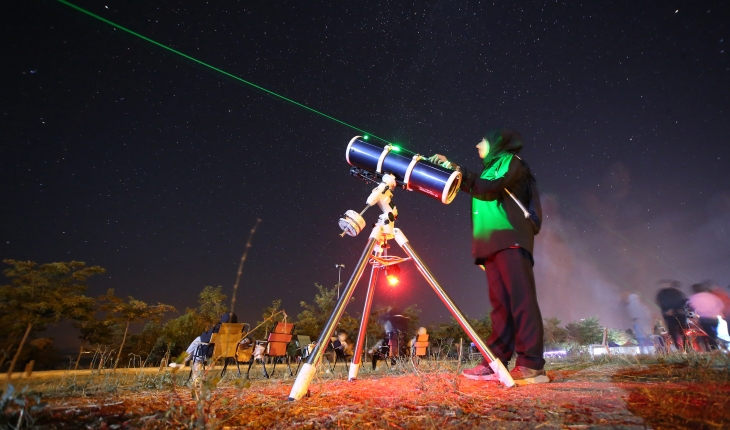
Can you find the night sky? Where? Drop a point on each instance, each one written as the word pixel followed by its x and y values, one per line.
pixel 119 154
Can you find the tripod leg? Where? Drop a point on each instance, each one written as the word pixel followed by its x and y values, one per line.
pixel 357 358
pixel 496 364
pixel 301 385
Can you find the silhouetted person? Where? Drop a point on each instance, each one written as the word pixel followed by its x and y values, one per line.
pixel 708 307
pixel 506 216
pixel 395 326
pixel 672 301
pixel 724 297
pixel 640 319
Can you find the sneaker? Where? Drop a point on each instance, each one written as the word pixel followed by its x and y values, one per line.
pixel 524 375
pixel 480 372
pixel 185 363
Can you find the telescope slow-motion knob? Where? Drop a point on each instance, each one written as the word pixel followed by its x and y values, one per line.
pixel 352 223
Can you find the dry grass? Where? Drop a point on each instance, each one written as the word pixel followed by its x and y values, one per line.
pixel 674 392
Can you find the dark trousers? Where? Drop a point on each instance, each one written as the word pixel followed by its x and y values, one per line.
pixel 709 326
pixel 675 326
pixel 516 318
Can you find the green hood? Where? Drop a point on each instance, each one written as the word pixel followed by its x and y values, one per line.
pixel 502 140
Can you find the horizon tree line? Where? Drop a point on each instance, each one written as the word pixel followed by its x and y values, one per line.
pixel 41 295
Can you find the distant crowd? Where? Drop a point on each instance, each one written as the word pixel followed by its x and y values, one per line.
pixel 695 322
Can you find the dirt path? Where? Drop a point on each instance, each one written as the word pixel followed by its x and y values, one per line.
pixel 609 398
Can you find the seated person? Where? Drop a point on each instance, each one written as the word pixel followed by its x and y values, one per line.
pixel 341 346
pixel 379 351
pixel 207 350
pixel 421 331
pixel 306 350
pixel 259 351
pixel 245 350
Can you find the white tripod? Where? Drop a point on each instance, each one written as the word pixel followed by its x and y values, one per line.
pixel 382 231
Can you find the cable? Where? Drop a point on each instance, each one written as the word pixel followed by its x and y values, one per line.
pixel 223 72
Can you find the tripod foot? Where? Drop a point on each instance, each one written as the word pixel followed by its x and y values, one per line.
pixel 301 385
pixel 354 369
pixel 502 372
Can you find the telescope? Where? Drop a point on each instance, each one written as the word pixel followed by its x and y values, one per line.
pixel 387 167
pixel 416 173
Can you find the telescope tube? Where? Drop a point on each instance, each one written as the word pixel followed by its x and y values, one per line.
pixel 417 173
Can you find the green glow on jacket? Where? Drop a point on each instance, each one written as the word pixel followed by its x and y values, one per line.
pixel 489 216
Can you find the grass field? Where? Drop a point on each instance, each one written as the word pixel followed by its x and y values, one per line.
pixel 679 391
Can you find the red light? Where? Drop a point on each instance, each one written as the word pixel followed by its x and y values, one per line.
pixel 391 274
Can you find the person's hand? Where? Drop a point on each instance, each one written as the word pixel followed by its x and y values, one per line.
pixel 442 161
pixel 438 159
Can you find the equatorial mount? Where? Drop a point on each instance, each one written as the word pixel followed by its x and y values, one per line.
pixel 376 256
pixel 352 222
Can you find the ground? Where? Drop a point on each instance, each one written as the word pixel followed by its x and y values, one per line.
pixel 675 392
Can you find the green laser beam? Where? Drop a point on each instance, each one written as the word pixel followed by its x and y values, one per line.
pixel 366 135
pixel 223 72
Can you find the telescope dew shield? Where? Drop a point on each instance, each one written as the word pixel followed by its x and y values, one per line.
pixel 415 172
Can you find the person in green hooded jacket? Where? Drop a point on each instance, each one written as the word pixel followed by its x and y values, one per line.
pixel 506 216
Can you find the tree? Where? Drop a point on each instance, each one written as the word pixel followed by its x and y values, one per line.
pixel 413 314
pixel 91 331
pixel 313 318
pixel 179 331
pixel 587 331
pixel 619 337
pixel 452 329
pixel 42 295
pixel 270 315
pixel 211 304
pixel 146 343
pixel 122 313
pixel 554 335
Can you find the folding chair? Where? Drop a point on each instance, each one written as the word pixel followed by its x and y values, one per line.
pixel 330 354
pixel 382 353
pixel 227 332
pixel 419 348
pixel 276 347
pixel 302 343
pixel 451 350
pixel 474 353
pixel 200 355
pixel 339 354
pixel 244 353
pixel 226 343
